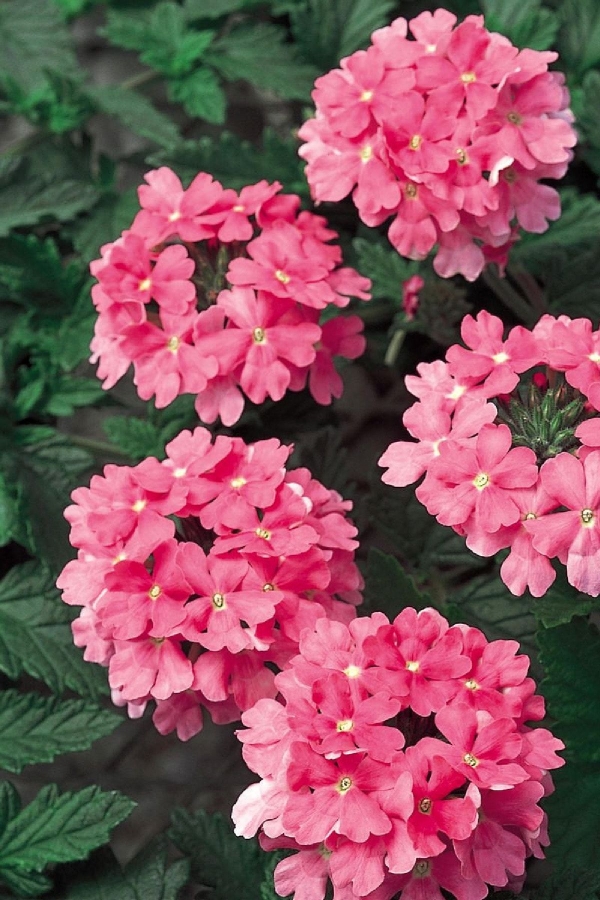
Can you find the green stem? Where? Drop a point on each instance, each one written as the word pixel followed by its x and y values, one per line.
pixel 138 80
pixel 530 288
pixel 101 448
pixel 511 298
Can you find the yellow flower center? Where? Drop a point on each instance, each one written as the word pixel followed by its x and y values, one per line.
pixel 411 191
pixel 268 587
pixel 263 533
pixel 514 118
pixel 461 156
pixel 174 216
pixel 218 600
pixel 470 760
pixel 412 665
pixel 415 142
pixel 530 515
pixel 155 592
pixel 145 285
pixel 366 153
pixel 425 805
pixel 238 208
pixel 587 516
pixel 468 77
pixel 471 685
pixel 179 473
pixel 344 784
pixel 481 481
pixel 258 335
pixel 282 277
pixel 237 482
pixel 594 357
pixel 366 96
pixel 173 344
pixel 352 671
pixel 139 505
pixel 345 725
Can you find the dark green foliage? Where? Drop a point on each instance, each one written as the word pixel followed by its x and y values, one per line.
pixel 561 603
pixel 139 438
pixel 389 588
pixel 35 729
pixel 53 828
pixel 35 634
pixel 527 24
pixel 147 877
pixel 231 867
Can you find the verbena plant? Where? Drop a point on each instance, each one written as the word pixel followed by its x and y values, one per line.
pixel 395 759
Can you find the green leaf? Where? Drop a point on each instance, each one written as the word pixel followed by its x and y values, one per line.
pixel 34 39
pixel 561 603
pixel 327 30
pixel 571 280
pixel 578 225
pixel 35 729
pixel 588 119
pixel 486 603
pixel 138 438
pixel 69 393
pixel 525 22
pixel 570 655
pixel 59 828
pixel 386 268
pixel 32 273
pixel 574 817
pixel 35 634
pixel 200 94
pixel 579 36
pixel 569 884
pixel 136 112
pixel 146 877
pixel 389 588
pixel 46 467
pixel 231 866
pixel 259 53
pixel 162 37
pixel 112 215
pixel 26 199
pixel 237 163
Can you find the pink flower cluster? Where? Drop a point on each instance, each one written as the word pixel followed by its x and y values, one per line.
pixel 197 574
pixel 449 133
pixel 162 305
pixel 397 758
pixel 520 472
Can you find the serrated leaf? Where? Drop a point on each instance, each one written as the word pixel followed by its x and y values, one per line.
pixel 525 22
pixel 60 828
pixel 569 884
pixel 386 268
pixel 70 392
pixel 389 588
pixel 128 28
pixel 579 36
pixel 588 119
pixel 574 817
pixel 46 469
pixel 570 655
pixel 136 112
pixel 138 438
pixel 327 30
pixel 33 273
pixel 35 634
pixel 106 221
pixel 578 225
pixel 232 867
pixel 200 94
pixel 33 39
pixel 487 604
pixel 10 804
pixel 28 198
pixel 258 53
pixel 146 877
pixel 35 729
pixel 236 163
pixel 561 603
pixel 571 280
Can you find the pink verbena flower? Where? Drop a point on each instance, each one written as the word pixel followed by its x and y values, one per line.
pixel 503 483
pixel 164 303
pixel 449 133
pixel 198 575
pixel 373 819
